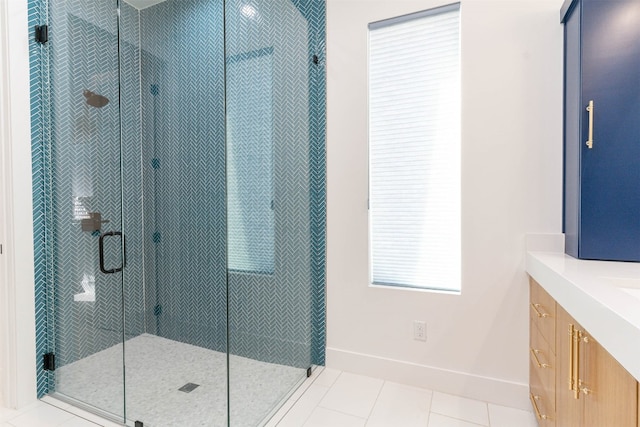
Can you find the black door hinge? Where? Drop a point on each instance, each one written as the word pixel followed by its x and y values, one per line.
pixel 42 33
pixel 139 424
pixel 49 362
pixel 309 371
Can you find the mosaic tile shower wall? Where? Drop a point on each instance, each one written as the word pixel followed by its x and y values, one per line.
pixel 184 171
pixel 174 181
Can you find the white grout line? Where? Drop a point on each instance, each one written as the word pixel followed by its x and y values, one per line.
pixel 376 400
pixel 430 406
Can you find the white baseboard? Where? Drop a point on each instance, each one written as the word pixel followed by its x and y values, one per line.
pixel 491 390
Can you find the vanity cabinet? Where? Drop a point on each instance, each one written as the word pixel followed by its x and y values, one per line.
pixel 575 382
pixel 602 129
pixel 593 389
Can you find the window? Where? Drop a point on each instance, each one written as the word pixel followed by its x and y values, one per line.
pixel 414 150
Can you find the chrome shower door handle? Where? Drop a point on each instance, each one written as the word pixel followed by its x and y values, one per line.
pixel 101 251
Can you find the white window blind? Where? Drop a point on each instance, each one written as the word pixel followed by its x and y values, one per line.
pixel 414 150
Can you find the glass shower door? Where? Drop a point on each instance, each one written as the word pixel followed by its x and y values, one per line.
pixel 172 93
pixel 84 216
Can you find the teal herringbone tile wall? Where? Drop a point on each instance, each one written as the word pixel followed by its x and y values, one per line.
pixel 37 67
pixel 183 145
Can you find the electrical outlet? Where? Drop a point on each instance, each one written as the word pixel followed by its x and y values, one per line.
pixel 419 330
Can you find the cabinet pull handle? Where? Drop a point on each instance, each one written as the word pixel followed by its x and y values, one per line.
pixel 590 110
pixel 585 339
pixel 535 352
pixel 538 312
pixel 534 402
pixel 571 358
pixel 576 363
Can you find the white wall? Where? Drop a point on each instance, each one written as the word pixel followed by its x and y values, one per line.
pixel 511 184
pixel 17 311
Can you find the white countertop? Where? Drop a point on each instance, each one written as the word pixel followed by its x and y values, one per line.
pixel 603 296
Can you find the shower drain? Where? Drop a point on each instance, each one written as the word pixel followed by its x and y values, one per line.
pixel 189 387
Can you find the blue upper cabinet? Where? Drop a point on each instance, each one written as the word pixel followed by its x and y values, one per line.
pixel 602 129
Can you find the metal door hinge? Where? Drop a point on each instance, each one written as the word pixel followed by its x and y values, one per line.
pixel 42 33
pixel 49 362
pixel 139 424
pixel 309 371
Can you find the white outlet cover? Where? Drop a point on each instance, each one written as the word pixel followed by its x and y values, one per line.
pixel 419 330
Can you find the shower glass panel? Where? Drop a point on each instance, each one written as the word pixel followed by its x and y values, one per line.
pixel 176 366
pixel 268 64
pixel 84 204
pixel 178 207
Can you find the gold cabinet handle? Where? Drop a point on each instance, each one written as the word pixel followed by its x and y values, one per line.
pixel 571 358
pixel 585 339
pixel 535 353
pixel 576 362
pixel 590 109
pixel 538 313
pixel 534 402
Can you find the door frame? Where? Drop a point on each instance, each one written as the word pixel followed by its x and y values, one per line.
pixel 17 284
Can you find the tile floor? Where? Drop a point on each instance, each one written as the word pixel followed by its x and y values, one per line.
pixel 333 399
pixel 341 399
pixel 256 387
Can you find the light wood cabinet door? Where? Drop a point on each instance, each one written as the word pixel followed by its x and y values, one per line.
pixel 610 393
pixel 568 409
pixel 607 395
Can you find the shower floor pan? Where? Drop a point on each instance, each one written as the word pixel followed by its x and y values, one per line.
pixel 157 369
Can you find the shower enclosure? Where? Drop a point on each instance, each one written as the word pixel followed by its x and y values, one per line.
pixel 182 184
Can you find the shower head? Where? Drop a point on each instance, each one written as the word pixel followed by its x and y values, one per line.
pixel 95 100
